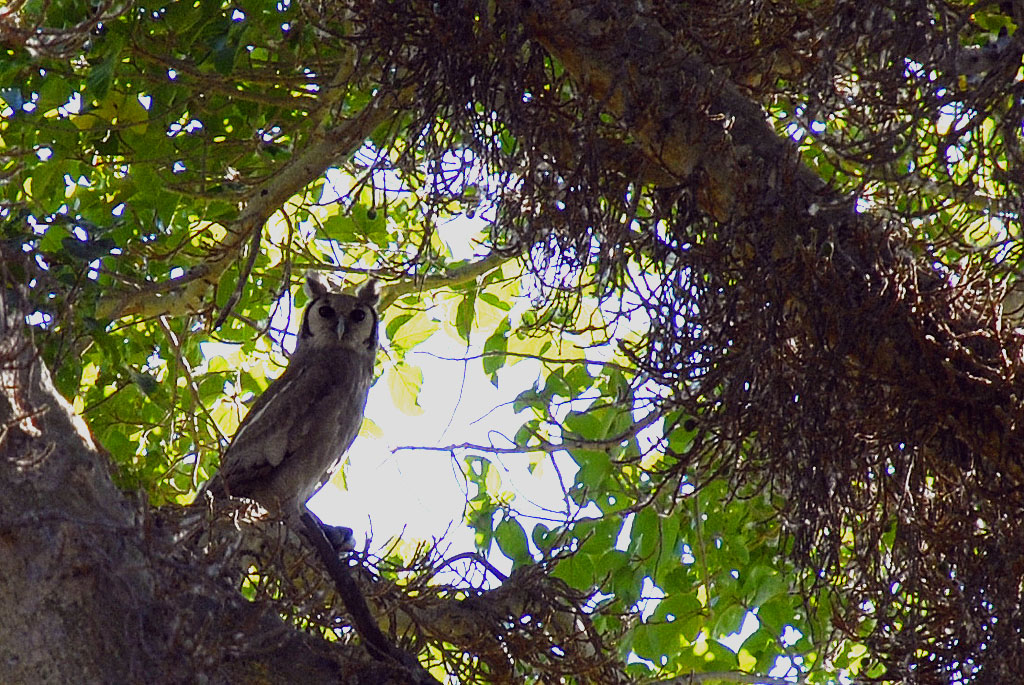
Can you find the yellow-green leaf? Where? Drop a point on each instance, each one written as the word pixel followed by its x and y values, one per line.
pixel 404 382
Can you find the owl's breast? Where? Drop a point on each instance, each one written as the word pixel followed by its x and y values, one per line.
pixel 339 415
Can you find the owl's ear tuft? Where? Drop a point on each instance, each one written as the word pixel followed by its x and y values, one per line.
pixel 314 285
pixel 369 292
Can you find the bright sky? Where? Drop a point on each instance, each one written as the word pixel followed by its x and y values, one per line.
pixel 422 494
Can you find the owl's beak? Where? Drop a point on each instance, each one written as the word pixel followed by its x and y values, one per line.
pixel 340 330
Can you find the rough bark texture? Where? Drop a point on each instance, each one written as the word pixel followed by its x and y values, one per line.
pixel 877 391
pixel 91 593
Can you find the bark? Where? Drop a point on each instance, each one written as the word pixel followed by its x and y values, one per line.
pixel 102 588
pixel 919 338
pixel 93 592
pixel 907 374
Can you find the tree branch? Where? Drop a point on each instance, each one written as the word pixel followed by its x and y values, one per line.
pixel 536 357
pixel 545 446
pixel 377 645
pixel 89 575
pixel 727 676
pixel 453 277
pixel 613 62
pixel 188 292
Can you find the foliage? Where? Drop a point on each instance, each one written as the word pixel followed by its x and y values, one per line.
pixel 749 385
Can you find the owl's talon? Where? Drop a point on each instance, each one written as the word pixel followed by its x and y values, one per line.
pixel 342 539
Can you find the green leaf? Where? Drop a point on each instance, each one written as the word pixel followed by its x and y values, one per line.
pixel 626 584
pixel 495 348
pixel 610 562
pixel 762 583
pixel 511 538
pixel 394 323
pixel 684 611
pixel 464 315
pixel 528 398
pixel 47 186
pixel 339 227
pixel 577 570
pixel 146 382
pixel 776 613
pixel 595 467
pixel 370 429
pixel 586 425
pixel 655 640
pixel 729 619
pixel 100 76
pixel 578 380
pixel 555 385
pixel 543 537
pixel 645 534
pixel 409 330
pixel 223 54
pixel 481 520
pixel 405 382
pixel 682 436
pixel 723 658
pixel 495 301
pixel 526 433
pixel 54 92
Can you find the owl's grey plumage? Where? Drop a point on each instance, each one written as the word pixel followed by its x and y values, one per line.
pixel 294 436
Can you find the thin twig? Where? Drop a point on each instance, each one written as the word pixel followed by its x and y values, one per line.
pixel 243 278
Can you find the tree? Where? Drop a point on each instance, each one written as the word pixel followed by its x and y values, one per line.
pixel 765 257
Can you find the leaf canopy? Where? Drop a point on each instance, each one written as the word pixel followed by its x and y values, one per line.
pixel 759 256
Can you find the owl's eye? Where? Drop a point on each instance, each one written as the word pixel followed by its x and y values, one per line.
pixel 357 315
pixel 326 311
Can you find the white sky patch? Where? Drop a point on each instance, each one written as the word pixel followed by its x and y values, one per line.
pixel 72 106
pixel 650 597
pixel 622 542
pixel 735 640
pixel 422 493
pixel 38 319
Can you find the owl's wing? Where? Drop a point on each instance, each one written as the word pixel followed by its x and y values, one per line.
pixel 282 415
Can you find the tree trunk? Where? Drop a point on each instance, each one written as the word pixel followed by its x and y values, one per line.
pixel 93 590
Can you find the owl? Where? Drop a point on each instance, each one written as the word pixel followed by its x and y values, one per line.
pixel 294 436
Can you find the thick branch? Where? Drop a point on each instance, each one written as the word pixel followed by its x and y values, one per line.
pixel 688 120
pixel 92 593
pixel 698 126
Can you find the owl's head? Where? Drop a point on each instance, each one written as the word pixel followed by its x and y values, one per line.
pixel 339 320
